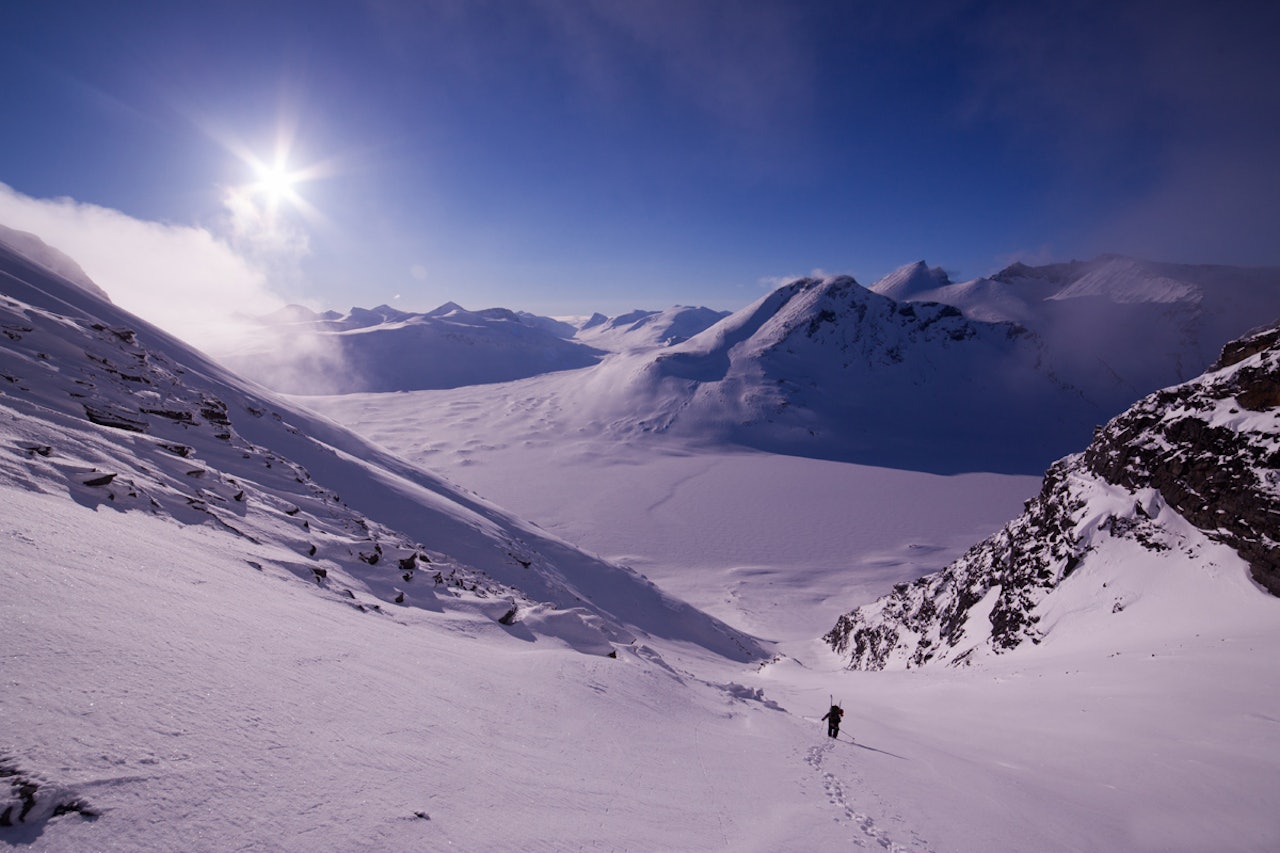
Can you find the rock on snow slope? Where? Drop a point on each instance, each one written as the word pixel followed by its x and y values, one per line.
pixel 1160 520
pixel 103 406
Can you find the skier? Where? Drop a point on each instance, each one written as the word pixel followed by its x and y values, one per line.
pixel 833 720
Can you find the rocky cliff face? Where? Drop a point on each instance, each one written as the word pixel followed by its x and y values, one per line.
pixel 1201 459
pixel 1205 449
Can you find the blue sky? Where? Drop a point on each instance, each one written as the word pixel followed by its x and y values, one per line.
pixel 567 156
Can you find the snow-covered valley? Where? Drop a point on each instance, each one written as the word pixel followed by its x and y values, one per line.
pixel 333 640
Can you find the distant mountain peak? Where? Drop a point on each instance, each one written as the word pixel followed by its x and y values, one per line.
pixel 292 314
pixel 640 329
pixel 446 308
pixel 911 280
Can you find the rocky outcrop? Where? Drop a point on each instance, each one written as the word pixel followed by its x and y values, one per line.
pixel 999 581
pixel 1209 460
pixel 1209 450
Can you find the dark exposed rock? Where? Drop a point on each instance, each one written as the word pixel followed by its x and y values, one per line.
pixel 115 418
pixel 1216 475
pixel 920 620
pixel 176 415
pixel 1251 344
pixel 214 411
pixel 30 801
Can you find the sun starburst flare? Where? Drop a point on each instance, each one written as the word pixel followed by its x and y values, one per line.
pixel 268 213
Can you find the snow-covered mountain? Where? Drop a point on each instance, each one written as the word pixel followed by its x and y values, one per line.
pixel 104 408
pixel 1115 327
pixel 646 329
pixel 825 367
pixel 906 283
pixel 1162 520
pixel 383 349
pixel 1001 374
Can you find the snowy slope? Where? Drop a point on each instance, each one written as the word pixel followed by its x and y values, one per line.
pixel 171 684
pixel 383 349
pixel 164 694
pixel 1168 523
pixel 1115 327
pixel 114 412
pixel 1123 737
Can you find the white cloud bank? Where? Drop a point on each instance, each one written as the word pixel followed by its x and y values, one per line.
pixel 185 279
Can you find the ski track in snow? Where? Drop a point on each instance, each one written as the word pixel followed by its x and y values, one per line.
pixel 837 792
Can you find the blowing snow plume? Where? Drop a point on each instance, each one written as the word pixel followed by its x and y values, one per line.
pixel 193 284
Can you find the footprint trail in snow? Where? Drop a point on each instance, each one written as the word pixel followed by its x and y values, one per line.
pixel 835 792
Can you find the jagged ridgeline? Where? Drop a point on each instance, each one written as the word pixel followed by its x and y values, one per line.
pixel 1184 471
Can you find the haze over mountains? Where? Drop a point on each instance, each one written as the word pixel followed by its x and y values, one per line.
pixel 231 622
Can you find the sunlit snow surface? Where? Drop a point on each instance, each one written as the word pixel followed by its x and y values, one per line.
pixel 1149 729
pixel 192 689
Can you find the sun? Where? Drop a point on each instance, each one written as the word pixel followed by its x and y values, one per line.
pixel 276 183
pixel 274 186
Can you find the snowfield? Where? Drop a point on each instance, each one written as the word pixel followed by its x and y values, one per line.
pixel 178 670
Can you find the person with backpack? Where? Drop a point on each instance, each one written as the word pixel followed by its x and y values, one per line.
pixel 833 720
